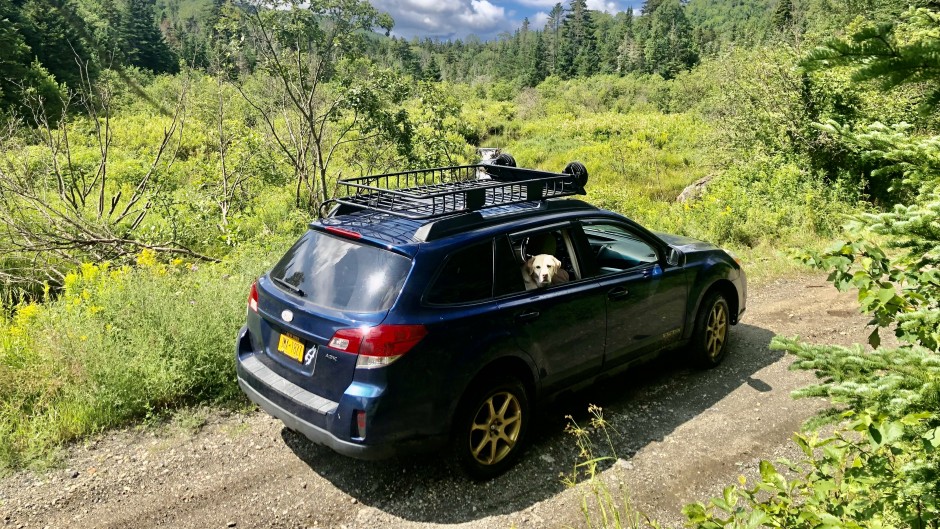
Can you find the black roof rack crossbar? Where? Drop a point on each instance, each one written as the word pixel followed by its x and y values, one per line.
pixel 432 193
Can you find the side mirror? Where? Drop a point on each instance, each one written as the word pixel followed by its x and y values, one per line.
pixel 674 257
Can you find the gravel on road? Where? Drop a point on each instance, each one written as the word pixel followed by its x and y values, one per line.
pixel 679 435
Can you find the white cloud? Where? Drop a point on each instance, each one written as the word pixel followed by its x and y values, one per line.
pixel 482 14
pixel 448 18
pixel 602 5
pixel 538 20
pixel 542 3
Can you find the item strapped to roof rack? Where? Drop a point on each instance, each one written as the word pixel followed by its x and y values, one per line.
pixel 431 193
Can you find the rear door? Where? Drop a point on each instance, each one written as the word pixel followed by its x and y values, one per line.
pixel 562 326
pixel 324 283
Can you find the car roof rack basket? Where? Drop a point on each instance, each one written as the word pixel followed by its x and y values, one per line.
pixel 432 193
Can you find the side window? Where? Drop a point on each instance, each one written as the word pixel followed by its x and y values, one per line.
pixel 467 276
pixel 616 248
pixel 544 259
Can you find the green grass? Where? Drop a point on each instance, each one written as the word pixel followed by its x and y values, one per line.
pixel 651 155
pixel 118 346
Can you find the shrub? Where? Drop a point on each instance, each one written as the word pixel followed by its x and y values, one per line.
pixel 117 345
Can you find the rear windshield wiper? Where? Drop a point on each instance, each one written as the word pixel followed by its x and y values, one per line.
pixel 288 286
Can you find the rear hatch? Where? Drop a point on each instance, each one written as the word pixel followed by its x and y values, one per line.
pixel 322 284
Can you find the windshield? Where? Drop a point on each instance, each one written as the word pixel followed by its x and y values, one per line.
pixel 341 274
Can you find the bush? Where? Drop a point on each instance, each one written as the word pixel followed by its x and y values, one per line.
pixel 766 200
pixel 118 345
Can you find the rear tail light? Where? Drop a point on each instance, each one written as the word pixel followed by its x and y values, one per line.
pixel 253 297
pixel 378 346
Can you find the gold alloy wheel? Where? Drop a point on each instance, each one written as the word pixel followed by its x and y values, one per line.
pixel 495 429
pixel 716 330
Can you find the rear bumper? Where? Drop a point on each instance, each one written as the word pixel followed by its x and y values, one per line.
pixel 323 421
pixel 313 432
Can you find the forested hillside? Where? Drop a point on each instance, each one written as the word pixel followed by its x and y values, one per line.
pixel 155 158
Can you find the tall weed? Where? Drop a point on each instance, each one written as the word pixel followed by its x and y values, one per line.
pixel 601 506
pixel 766 200
pixel 117 345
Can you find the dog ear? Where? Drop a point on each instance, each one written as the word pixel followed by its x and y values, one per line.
pixel 530 261
pixel 557 262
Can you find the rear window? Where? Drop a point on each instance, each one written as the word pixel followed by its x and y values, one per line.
pixel 341 274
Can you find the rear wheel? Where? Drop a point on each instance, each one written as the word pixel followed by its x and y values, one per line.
pixel 710 338
pixel 491 428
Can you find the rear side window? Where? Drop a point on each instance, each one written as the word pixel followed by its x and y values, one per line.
pixel 466 276
pixel 341 274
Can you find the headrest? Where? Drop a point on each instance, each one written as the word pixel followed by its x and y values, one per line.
pixel 535 245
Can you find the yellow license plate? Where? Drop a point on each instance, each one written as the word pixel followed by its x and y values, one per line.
pixel 291 346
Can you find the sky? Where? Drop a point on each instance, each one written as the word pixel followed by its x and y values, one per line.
pixel 455 19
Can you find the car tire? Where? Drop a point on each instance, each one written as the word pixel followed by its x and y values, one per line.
pixel 505 159
pixel 491 427
pixel 710 337
pixel 579 171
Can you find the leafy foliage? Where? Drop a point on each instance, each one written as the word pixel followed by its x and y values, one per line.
pixel 903 288
pixel 881 467
pixel 119 344
pixel 891 60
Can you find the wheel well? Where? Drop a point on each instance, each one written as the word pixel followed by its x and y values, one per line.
pixel 510 365
pixel 730 293
pixel 499 369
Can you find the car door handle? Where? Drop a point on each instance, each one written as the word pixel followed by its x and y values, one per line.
pixel 617 293
pixel 527 316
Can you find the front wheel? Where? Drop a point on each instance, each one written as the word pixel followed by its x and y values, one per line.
pixel 710 338
pixel 491 428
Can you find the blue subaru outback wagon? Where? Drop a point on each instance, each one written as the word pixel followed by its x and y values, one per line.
pixel 439 307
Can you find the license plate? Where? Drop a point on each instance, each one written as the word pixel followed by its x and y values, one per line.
pixel 291 346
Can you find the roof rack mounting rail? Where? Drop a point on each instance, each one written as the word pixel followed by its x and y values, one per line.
pixel 431 193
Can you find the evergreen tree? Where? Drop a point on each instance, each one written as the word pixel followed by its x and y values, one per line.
pixel 553 35
pixel 18 73
pixel 578 54
pixel 141 41
pixel 407 59
pixel 782 16
pixel 630 56
pixel 432 72
pixel 668 46
pixel 887 59
pixel 49 29
pixel 650 6
pixel 106 32
pixel 536 67
pixel 610 32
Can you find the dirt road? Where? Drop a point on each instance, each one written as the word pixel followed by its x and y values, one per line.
pixel 681 435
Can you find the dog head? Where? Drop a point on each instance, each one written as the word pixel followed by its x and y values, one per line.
pixel 542 268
